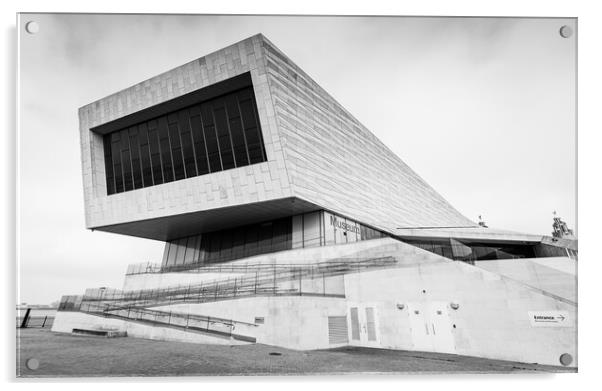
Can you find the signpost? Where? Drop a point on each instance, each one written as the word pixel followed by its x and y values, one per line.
pixel 549 319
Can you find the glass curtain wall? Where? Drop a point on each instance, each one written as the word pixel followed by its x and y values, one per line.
pixel 229 244
pixel 211 136
pixel 313 229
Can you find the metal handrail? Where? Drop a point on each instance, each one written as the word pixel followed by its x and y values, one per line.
pixel 263 276
pixel 155 268
pixel 257 279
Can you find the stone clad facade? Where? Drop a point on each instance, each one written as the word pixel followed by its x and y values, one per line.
pixel 334 161
pixel 316 152
pixel 260 182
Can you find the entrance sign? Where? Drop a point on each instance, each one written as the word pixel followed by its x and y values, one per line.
pixel 549 319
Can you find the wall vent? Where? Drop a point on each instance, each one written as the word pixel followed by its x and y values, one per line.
pixel 337 330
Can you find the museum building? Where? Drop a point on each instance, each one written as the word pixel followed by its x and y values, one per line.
pixel 287 222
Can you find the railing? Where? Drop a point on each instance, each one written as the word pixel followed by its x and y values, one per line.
pixel 254 280
pixel 207 324
pixel 258 279
pixel 36 321
pixel 70 303
pixel 155 268
pixel 143 268
pixel 35 317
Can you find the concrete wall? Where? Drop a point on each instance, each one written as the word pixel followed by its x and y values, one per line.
pixel 556 276
pixel 291 322
pixel 295 322
pixel 492 320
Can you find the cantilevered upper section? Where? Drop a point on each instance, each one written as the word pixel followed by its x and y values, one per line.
pixel 184 146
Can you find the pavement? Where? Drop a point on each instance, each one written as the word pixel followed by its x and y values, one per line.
pixel 66 355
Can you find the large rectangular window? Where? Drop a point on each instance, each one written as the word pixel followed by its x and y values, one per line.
pixel 209 136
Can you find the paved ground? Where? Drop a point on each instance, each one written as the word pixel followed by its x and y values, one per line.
pixel 68 355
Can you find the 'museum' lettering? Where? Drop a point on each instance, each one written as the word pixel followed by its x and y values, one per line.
pixel 344 225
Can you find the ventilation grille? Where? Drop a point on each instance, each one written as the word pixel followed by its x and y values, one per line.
pixel 337 330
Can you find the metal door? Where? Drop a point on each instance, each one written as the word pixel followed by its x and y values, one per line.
pixel 363 321
pixel 430 327
pixel 443 339
pixel 419 327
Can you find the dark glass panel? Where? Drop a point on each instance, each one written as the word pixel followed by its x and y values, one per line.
pixel 223 135
pixel 483 253
pixel 205 246
pixel 210 138
pixel 491 251
pixel 145 157
pixel 155 151
pixel 239 144
pixel 176 147
pixel 199 140
pixel 226 246
pixel 282 238
pixel 447 252
pixel 186 137
pixel 135 153
pixel 200 250
pixel 252 134
pixel 109 166
pixel 469 252
pixel 168 173
pixel 126 163
pixel 251 241
pixel 363 232
pixel 116 154
pixel 238 243
pixel 265 237
pixel 214 246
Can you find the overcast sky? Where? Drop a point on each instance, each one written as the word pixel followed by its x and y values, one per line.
pixel 482 109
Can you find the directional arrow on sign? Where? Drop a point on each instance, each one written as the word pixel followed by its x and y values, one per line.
pixel 549 318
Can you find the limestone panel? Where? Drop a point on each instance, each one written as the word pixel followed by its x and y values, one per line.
pixel 335 162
